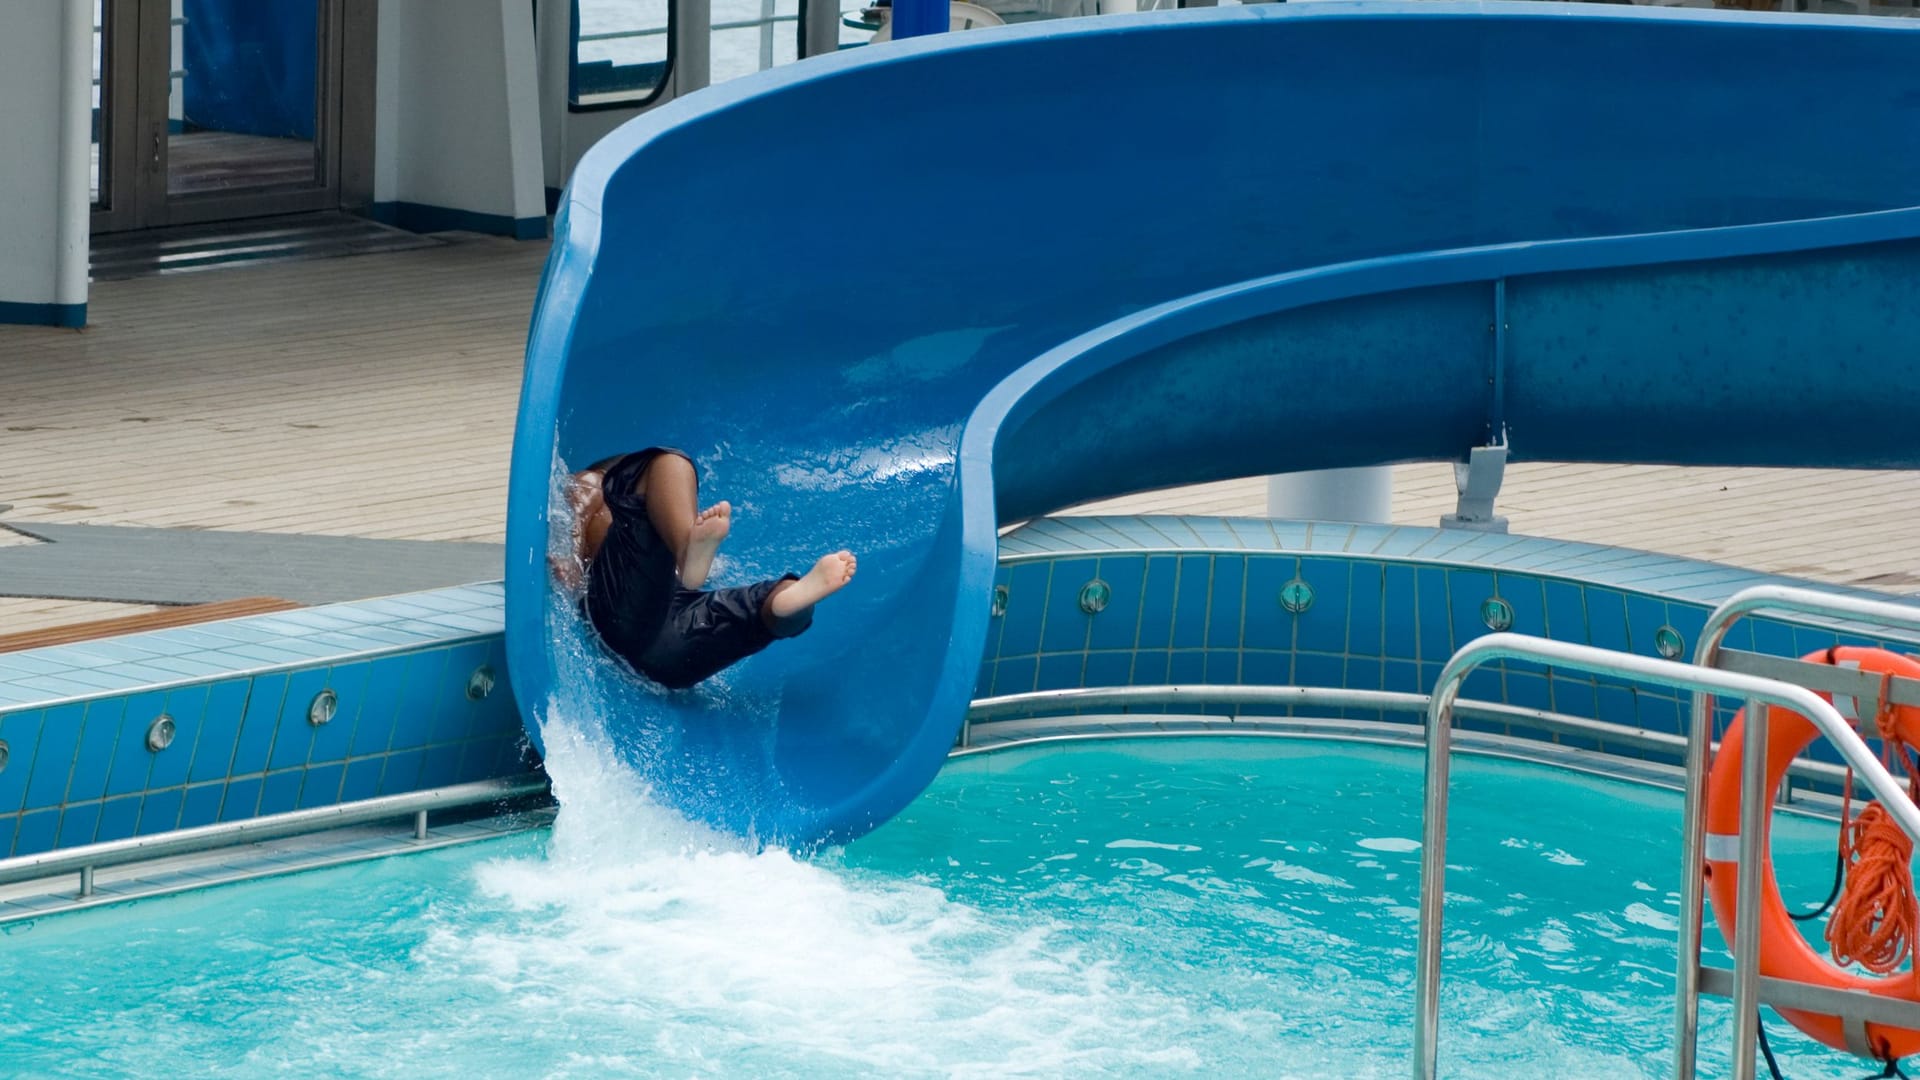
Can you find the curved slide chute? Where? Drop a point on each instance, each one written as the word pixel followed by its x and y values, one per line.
pixel 890 298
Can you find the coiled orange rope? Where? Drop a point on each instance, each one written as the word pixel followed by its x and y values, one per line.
pixel 1874 919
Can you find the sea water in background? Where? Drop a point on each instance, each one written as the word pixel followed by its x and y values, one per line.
pixel 744 49
pixel 738 51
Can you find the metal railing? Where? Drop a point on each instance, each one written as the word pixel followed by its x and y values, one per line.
pixel 1708 654
pixel 1755 805
pixel 1064 702
pixel 416 804
pixel 656 31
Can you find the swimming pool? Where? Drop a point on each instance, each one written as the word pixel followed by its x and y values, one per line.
pixel 1139 907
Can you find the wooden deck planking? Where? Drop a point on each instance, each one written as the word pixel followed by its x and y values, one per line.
pixel 28 614
pixel 369 396
pixel 130 622
pixel 374 396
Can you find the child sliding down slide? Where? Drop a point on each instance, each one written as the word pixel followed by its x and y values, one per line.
pixel 646 547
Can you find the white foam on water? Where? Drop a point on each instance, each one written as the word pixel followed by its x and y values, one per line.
pixel 1122 844
pixel 1396 844
pixel 1642 915
pixel 712 957
pixel 1305 876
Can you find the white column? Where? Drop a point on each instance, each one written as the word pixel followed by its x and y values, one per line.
pixel 521 69
pixel 76 155
pixel 46 105
pixel 553 45
pixel 1362 495
pixel 457 116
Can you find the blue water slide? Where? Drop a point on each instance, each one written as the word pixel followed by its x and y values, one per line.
pixel 894 298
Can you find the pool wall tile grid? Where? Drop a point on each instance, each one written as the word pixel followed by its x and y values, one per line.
pixel 1373 623
pixel 80 771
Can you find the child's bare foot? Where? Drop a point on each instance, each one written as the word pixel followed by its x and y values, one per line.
pixel 826 578
pixel 709 528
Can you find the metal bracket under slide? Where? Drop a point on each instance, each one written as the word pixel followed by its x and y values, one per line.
pixel 1478 482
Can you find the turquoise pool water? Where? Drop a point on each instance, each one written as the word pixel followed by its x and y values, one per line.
pixel 1148 908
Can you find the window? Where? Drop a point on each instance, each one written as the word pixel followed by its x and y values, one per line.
pixel 622 51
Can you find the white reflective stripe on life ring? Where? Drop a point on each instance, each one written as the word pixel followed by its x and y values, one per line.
pixel 1723 847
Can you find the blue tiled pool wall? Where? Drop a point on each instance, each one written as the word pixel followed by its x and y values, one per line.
pixel 1369 624
pixel 79 772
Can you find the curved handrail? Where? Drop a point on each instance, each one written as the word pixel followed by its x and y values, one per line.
pixel 1754 804
pixel 1054 703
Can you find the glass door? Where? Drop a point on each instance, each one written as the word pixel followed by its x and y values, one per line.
pixel 217 109
pixel 116 40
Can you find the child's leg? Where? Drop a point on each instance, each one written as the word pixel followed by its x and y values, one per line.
pixel 793 598
pixel 672 491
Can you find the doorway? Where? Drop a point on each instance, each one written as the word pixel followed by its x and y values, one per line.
pixel 209 110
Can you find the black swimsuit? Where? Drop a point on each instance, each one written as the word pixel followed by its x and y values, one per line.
pixel 676 637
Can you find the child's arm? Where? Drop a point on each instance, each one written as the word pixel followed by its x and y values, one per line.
pixel 586 530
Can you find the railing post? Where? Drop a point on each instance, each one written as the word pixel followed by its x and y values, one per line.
pixel 1755 808
pixel 420 825
pixel 1693 863
pixel 86 881
pixel 766 34
pixel 1433 872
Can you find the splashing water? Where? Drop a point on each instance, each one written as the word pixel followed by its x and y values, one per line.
pixel 764 963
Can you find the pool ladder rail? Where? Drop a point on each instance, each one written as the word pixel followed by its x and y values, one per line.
pixel 1758 680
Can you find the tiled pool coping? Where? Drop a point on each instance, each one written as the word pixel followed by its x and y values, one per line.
pixel 186 726
pixel 1668 576
pixel 162 659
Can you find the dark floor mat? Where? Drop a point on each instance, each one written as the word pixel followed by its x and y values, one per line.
pixel 197 566
pixel 188 248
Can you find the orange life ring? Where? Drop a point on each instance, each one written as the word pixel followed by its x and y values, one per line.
pixel 1784 952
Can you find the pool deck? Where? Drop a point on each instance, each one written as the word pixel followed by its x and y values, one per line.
pixel 374 396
